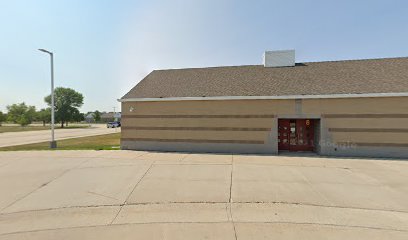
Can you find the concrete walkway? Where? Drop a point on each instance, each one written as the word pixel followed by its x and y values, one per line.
pixel 142 195
pixel 20 138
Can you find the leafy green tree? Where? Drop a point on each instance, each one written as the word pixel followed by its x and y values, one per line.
pixel 21 114
pixel 3 117
pixel 44 115
pixel 79 117
pixel 67 102
pixel 97 116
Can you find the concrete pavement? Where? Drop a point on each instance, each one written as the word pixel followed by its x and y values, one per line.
pixel 20 138
pixel 148 195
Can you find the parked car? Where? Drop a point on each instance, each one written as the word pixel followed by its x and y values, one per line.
pixel 113 124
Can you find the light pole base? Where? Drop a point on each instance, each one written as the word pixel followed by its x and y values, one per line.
pixel 53 144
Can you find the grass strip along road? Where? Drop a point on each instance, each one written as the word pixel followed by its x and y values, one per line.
pixel 100 142
pixel 4 129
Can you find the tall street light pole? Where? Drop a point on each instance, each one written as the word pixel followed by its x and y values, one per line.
pixel 53 143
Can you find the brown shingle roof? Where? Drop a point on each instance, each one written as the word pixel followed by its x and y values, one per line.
pixel 388 75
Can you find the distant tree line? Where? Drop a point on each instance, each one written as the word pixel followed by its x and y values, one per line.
pixel 67 102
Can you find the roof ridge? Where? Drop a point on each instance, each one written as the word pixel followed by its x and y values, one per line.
pixel 226 66
pixel 259 65
pixel 355 60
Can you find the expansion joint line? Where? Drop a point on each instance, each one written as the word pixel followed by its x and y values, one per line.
pixel 230 197
pixel 127 198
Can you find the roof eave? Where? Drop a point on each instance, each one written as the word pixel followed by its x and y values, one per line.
pixel 218 98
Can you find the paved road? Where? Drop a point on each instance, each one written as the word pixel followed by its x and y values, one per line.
pixel 20 138
pixel 141 195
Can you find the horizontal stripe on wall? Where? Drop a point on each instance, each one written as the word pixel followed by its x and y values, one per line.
pixel 194 140
pixel 361 144
pixel 384 130
pixel 365 115
pixel 198 128
pixel 198 116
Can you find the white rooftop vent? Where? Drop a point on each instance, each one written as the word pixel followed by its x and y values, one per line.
pixel 281 58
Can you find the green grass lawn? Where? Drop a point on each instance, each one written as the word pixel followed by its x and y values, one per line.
pixel 101 142
pixel 35 128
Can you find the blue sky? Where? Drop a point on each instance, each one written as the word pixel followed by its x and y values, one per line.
pixel 103 48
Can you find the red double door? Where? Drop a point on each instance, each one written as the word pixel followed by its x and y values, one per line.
pixel 296 134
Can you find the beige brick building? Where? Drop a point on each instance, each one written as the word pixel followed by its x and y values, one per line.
pixel 343 108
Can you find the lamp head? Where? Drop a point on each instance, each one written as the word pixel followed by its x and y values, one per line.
pixel 43 50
